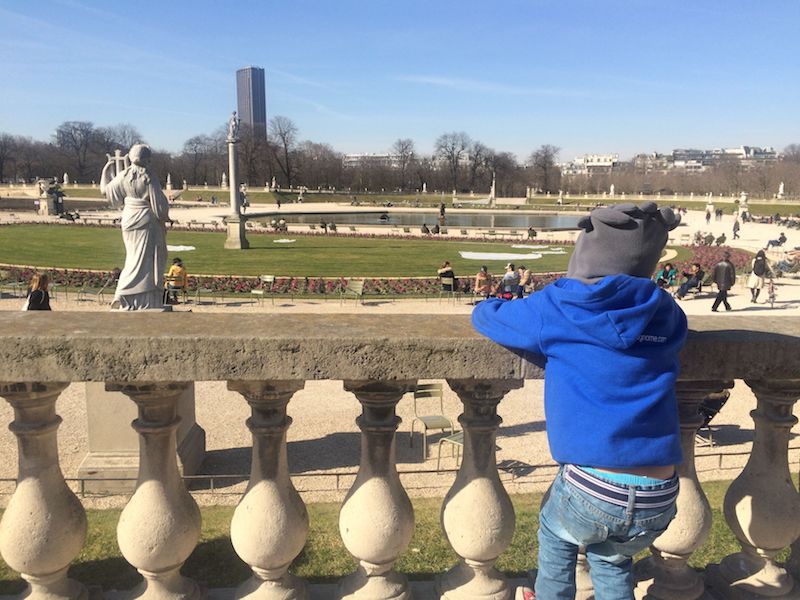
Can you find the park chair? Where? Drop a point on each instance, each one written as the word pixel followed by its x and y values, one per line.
pixel 265 288
pixel 455 440
pixel 406 229
pixel 464 232
pixel 184 293
pixel 709 408
pixel 355 288
pixel 452 292
pixel 98 293
pixel 202 290
pixel 431 392
pixel 7 283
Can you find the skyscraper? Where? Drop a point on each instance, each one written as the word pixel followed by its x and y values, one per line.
pixel 251 98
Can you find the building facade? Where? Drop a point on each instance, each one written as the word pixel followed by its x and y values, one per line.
pixel 251 99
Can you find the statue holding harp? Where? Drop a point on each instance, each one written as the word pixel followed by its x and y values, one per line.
pixel 128 183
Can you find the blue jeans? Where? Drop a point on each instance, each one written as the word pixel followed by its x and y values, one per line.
pixel 610 534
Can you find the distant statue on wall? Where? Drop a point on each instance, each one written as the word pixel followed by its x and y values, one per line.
pixel 145 213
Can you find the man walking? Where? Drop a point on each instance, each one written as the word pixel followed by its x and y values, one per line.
pixel 736 227
pixel 724 275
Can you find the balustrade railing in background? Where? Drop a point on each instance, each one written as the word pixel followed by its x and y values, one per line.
pixel 150 357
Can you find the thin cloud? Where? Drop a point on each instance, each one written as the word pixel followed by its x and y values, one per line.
pixel 489 87
pixel 297 79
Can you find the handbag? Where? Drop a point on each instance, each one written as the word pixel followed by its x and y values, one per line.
pixel 27 303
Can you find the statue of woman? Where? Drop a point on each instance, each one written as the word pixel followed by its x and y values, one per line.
pixel 145 212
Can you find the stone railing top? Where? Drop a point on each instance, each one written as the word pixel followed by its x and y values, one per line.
pixel 92 346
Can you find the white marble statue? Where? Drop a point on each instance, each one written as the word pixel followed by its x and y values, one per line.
pixel 233 128
pixel 611 190
pixel 781 190
pixel 224 179
pixel 66 179
pixel 145 212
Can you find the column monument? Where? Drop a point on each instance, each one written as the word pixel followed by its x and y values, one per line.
pixel 236 221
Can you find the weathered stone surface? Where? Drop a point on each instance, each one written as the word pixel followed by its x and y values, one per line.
pixel 155 347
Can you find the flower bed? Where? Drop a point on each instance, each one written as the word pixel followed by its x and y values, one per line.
pixel 707 256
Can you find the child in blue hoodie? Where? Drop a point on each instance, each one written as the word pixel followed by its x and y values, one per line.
pixel 611 338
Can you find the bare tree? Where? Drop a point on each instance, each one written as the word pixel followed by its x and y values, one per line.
pixel 404 149
pixel 121 136
pixel 792 153
pixel 75 139
pixel 7 147
pixel 480 159
pixel 451 148
pixel 284 132
pixel 546 174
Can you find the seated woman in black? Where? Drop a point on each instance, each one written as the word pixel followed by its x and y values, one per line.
pixel 38 298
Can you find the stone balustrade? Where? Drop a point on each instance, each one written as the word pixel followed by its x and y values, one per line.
pixel 152 358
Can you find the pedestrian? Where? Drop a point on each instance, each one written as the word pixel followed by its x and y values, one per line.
pixel 736 228
pixel 532 233
pixel 278 201
pixel 611 338
pixel 759 271
pixel 708 217
pixel 724 275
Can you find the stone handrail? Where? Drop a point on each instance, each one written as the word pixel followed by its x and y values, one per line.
pixel 152 357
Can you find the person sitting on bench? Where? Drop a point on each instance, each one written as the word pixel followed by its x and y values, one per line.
pixel 694 279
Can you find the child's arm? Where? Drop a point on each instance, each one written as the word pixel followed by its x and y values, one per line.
pixel 514 323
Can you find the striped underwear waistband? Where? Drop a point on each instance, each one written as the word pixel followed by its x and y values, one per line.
pixel 620 495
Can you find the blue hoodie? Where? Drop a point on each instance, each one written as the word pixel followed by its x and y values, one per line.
pixel 612 361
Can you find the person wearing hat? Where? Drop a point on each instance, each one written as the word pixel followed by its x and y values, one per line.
pixel 724 275
pixel 611 338
pixel 176 280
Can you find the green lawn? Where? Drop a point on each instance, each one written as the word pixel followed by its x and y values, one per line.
pixel 51 246
pixel 324 558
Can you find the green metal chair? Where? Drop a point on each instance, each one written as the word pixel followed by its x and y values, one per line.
pixel 354 289
pixel 265 288
pixel 432 392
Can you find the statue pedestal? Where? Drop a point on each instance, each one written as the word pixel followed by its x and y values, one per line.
pixel 237 240
pixel 114 445
pixel 47 206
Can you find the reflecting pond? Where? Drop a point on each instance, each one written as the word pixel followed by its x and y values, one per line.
pixel 416 219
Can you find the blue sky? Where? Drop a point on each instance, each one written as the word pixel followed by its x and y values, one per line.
pixel 595 76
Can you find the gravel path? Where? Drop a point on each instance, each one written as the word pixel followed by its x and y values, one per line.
pixel 324 441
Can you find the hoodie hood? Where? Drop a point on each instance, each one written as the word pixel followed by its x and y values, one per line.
pixel 616 311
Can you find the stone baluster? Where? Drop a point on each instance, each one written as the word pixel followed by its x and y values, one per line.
pixel 762 506
pixel 477 515
pixel 665 575
pixel 44 525
pixel 270 524
pixel 160 526
pixel 377 520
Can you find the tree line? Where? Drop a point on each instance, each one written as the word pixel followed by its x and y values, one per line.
pixel 459 163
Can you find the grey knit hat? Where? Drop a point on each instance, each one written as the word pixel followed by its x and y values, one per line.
pixel 622 239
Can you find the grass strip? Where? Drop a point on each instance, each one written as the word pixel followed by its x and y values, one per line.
pixel 325 559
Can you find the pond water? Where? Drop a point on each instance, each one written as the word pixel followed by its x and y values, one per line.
pixel 416 219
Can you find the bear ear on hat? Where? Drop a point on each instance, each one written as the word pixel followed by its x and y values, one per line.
pixel 671 220
pixel 585 223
